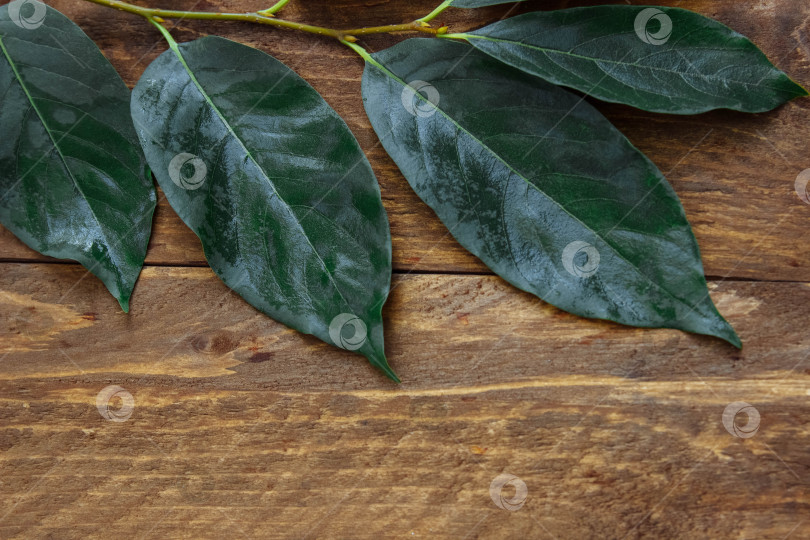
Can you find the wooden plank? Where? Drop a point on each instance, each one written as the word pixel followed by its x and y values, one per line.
pixel 438 326
pixel 734 172
pixel 242 426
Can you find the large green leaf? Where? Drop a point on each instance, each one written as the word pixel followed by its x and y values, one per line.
pixel 540 186
pixel 73 181
pixel 273 182
pixel 667 60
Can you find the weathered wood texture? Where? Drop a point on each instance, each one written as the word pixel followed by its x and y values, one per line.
pixel 244 428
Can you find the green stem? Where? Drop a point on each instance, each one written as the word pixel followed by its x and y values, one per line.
pixel 387 29
pixel 435 13
pixel 166 34
pixel 259 18
pixel 205 15
pixel 274 9
pixel 459 36
pixel 362 52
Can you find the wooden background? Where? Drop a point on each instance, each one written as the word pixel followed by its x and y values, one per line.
pixel 244 428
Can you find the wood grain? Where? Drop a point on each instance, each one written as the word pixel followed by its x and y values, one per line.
pixel 242 427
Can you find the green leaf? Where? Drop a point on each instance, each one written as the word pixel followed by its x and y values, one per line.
pixel 667 60
pixel 540 186
pixel 73 181
pixel 274 184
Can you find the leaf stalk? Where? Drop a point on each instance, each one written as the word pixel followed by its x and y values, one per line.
pixel 435 13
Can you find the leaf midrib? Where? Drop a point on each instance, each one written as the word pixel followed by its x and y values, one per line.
pixel 390 74
pixel 176 49
pixel 609 61
pixel 55 143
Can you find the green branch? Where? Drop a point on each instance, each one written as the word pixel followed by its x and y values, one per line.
pixel 266 17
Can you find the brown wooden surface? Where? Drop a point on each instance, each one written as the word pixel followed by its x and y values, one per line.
pixel 244 428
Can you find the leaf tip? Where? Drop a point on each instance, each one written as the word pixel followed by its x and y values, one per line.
pixel 794 89
pixel 727 333
pixel 382 364
pixel 733 338
pixel 124 303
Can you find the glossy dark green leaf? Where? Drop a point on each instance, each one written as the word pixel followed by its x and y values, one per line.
pixel 540 186
pixel 73 180
pixel 273 182
pixel 667 60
